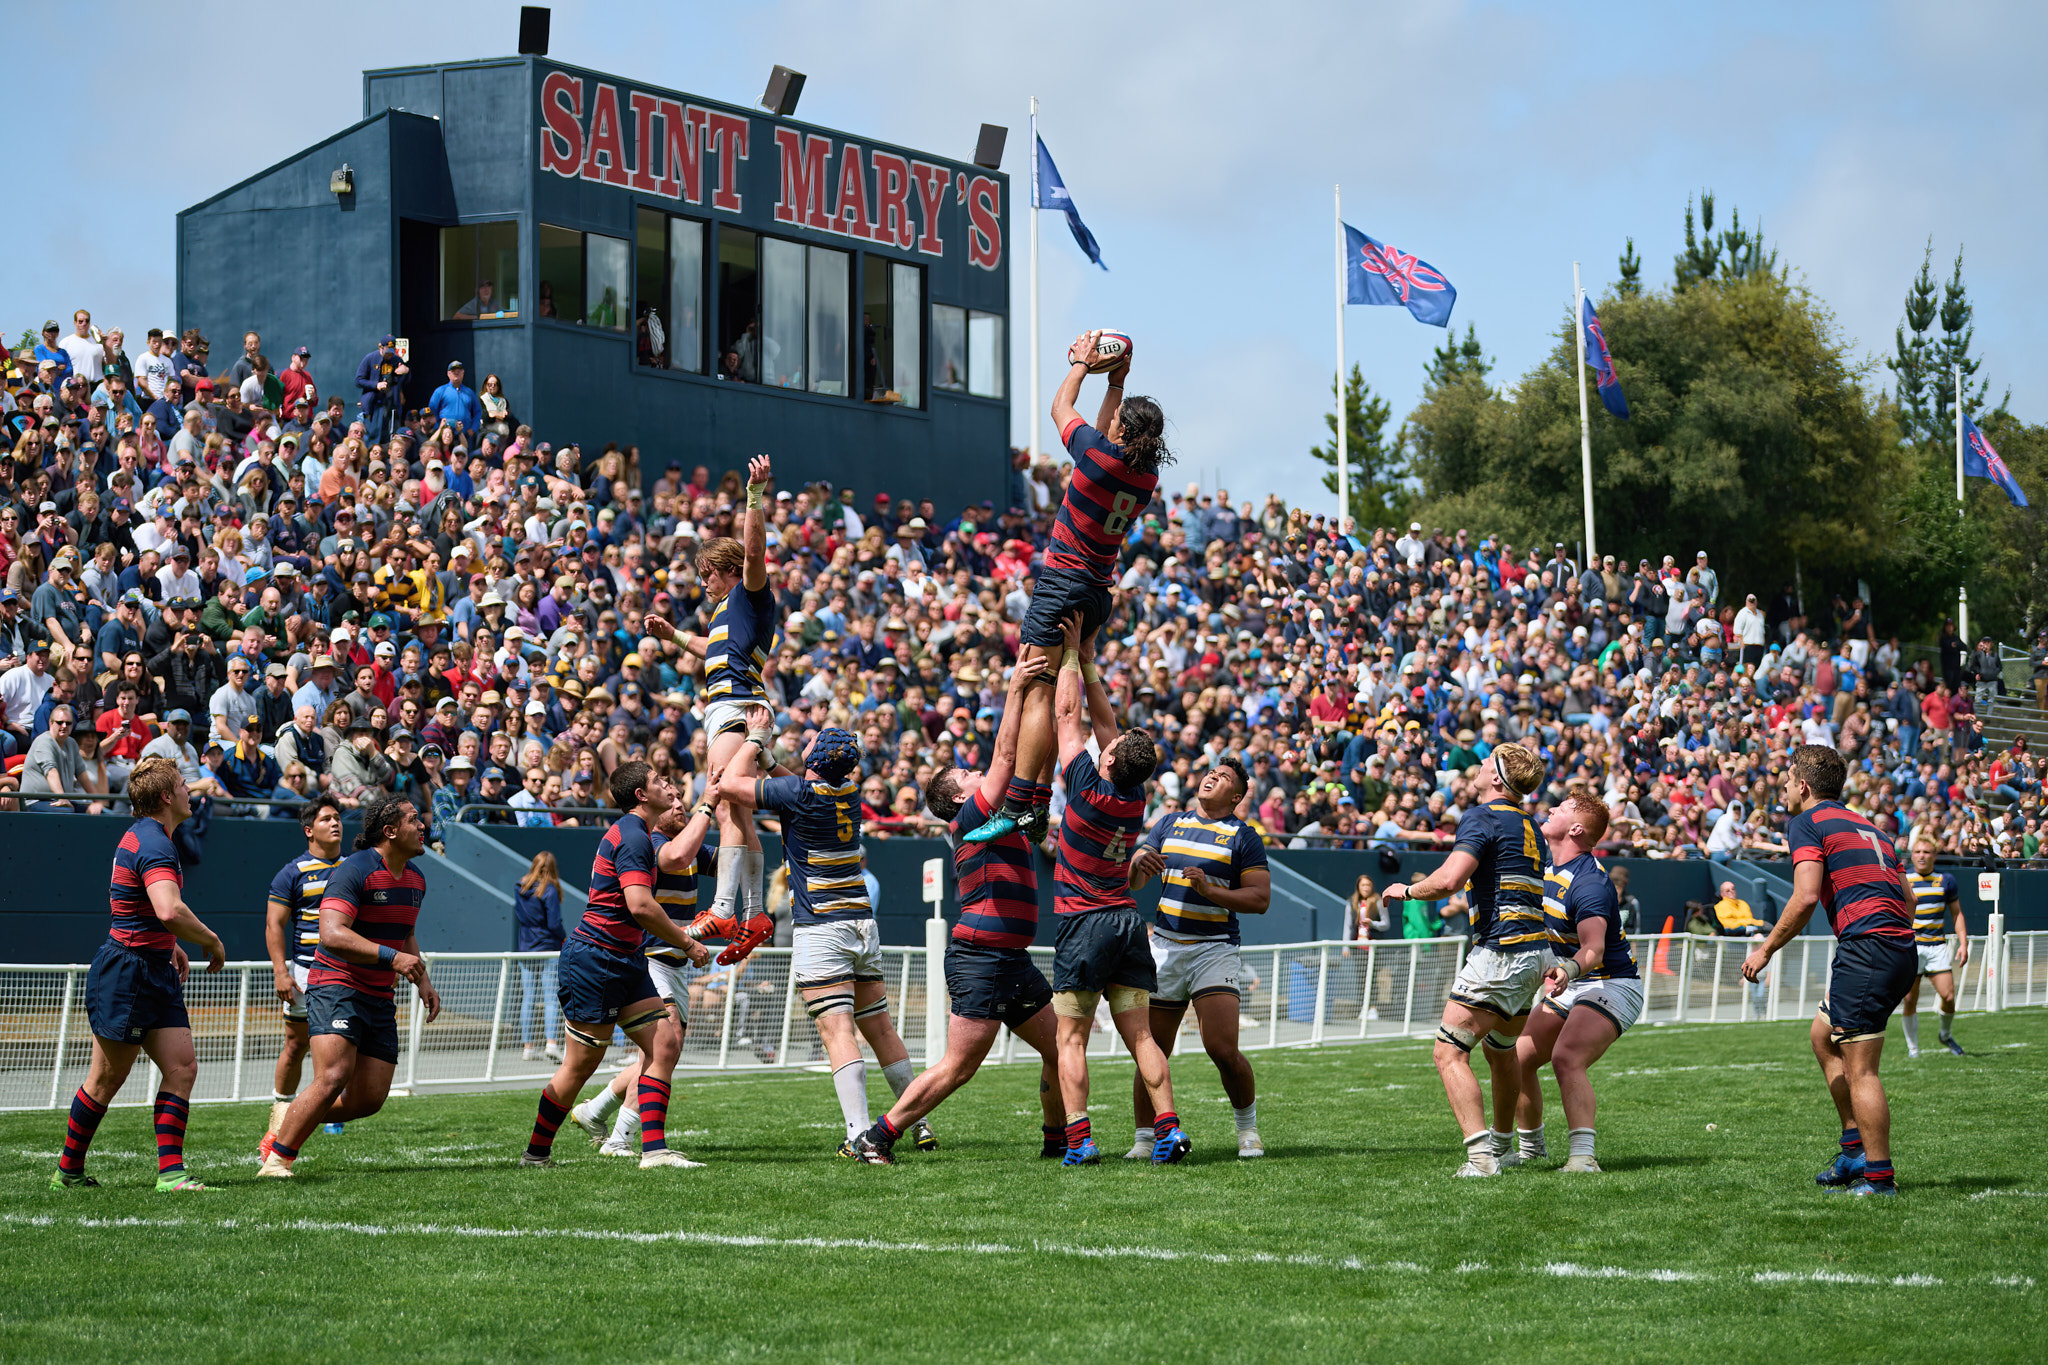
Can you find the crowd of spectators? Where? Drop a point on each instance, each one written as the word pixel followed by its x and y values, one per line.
pixel 289 592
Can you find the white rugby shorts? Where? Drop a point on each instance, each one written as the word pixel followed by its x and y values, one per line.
pixel 836 953
pixel 1620 998
pixel 1936 957
pixel 1503 983
pixel 295 1008
pixel 669 980
pixel 1192 966
pixel 729 714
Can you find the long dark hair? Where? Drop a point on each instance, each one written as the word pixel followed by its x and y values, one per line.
pixel 1143 428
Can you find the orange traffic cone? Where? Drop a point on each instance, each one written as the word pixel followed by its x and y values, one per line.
pixel 1661 964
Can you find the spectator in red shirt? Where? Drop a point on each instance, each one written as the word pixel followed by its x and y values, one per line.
pixel 125 733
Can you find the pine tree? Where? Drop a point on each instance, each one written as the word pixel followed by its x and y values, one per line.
pixel 1911 365
pixel 1455 359
pixel 1631 283
pixel 1701 259
pixel 1954 350
pixel 1746 254
pixel 1375 496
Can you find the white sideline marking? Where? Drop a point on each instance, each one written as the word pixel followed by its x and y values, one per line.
pixel 1557 1268
pixel 2010 1194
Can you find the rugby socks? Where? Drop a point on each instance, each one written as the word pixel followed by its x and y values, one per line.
pixel 1947 1022
pixel 283 1151
pixel 1582 1142
pixel 1530 1143
pixel 727 895
pixel 1852 1142
pixel 1077 1131
pixel 1879 1172
pixel 1501 1143
pixel 653 1114
pixel 605 1105
pixel 277 1097
pixel 751 889
pixel 884 1132
pixel 1165 1123
pixel 171 1113
pixel 1017 797
pixel 899 1075
pixel 1247 1117
pixel 626 1127
pixel 1055 1142
pixel 1912 1023
pixel 1479 1148
pixel 545 1122
pixel 1144 1137
pixel 851 1081
pixel 86 1113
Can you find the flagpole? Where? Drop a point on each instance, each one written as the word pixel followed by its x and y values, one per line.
pixel 1585 429
pixel 1036 417
pixel 1343 414
pixel 1962 590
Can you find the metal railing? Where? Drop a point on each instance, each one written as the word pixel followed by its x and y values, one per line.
pixel 1294 995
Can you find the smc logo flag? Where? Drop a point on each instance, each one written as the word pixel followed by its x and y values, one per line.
pixel 1981 461
pixel 1048 191
pixel 1377 273
pixel 1607 381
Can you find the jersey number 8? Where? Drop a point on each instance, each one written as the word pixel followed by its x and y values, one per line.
pixel 1120 509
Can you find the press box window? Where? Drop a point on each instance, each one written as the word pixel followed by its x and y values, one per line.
pixel 668 270
pixel 967 351
pixel 585 277
pixel 785 308
pixel 892 332
pixel 479 272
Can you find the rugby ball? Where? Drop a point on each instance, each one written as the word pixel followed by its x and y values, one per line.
pixel 1112 348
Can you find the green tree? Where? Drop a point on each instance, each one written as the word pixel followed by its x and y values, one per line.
pixel 1375 497
pixel 1954 350
pixel 1735 254
pixel 1456 358
pixel 1630 285
pixel 1912 364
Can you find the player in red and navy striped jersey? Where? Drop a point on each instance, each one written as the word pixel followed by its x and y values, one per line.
pixel 1116 469
pixel 1846 865
pixel 135 992
pixel 990 978
pixel 369 919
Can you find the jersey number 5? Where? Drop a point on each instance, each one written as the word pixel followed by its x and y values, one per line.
pixel 842 817
pixel 1120 509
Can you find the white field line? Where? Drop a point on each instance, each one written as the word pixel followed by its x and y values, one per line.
pixel 2010 1194
pixel 1562 1269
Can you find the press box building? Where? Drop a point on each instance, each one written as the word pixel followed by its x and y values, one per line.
pixel 635 265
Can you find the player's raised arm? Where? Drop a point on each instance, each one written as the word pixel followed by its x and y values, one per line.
pixel 168 903
pixel 755 535
pixel 1003 764
pixel 1113 396
pixel 1101 714
pixel 1070 699
pixel 1064 413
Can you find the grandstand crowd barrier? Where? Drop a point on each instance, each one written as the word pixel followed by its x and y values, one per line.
pixel 1296 995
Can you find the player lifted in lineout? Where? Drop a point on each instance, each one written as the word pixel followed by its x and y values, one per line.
pixel 1935 899
pixel 735 575
pixel 1213 868
pixel 990 977
pixel 1116 469
pixel 135 992
pixel 836 948
pixel 1592 992
pixel 604 977
pixel 1501 854
pixel 291 930
pixel 1844 864
pixel 369 914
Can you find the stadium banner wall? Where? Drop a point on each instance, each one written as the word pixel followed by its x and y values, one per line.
pixel 53 907
pixel 524 170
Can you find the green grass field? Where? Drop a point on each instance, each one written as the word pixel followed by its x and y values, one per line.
pixel 415 1236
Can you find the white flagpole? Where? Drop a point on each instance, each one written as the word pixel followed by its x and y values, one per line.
pixel 1962 590
pixel 1036 416
pixel 1343 422
pixel 1585 428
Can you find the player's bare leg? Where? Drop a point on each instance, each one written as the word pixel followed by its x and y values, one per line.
pixel 1533 1052
pixel 1849 1164
pixel 1134 1026
pixel 171 1049
pixel 1216 1018
pixel 1909 1018
pixel 1584 1040
pixel 1037 752
pixel 1945 991
pixel 105 1074
pixel 291 1061
pixel 1461 1030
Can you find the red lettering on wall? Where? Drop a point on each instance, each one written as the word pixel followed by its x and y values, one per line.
pixel 984 223
pixel 561 108
pixel 682 156
pixel 643 141
pixel 850 205
pixel 931 193
pixel 892 200
pixel 729 139
pixel 604 140
pixel 803 178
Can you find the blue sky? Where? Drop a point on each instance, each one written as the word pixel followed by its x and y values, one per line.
pixel 1201 140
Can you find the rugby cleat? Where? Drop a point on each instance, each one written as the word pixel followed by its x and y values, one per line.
pixel 1249 1145
pixel 865 1148
pixel 1507 1159
pixel 845 1147
pixel 923 1138
pixel 668 1156
pixel 263 1147
pixel 1141 1148
pixel 64 1180
pixel 618 1147
pixel 750 935
pixel 998 825
pixel 1954 1047
pixel 598 1129
pixel 1035 823
pixel 1170 1146
pixel 1478 1166
pixel 529 1159
pixel 178 1182
pixel 1053 1147
pixel 1839 1176
pixel 1087 1154
pixel 1584 1164
pixel 711 924
pixel 1863 1189
pixel 274 1167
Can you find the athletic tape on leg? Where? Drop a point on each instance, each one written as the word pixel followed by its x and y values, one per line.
pixel 587 1039
pixel 1075 1004
pixel 870 1011
pixel 1463 1039
pixel 1497 1041
pixel 1124 999
pixel 642 1020
pixel 829 1004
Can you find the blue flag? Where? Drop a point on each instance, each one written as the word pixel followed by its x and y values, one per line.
pixel 1050 192
pixel 1981 461
pixel 1377 273
pixel 1607 380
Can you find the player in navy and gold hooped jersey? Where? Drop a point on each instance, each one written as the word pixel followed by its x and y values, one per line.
pixel 369 917
pixel 135 992
pixel 1500 856
pixel 742 634
pixel 1845 865
pixel 835 949
pixel 1212 867
pixel 1592 992
pixel 1935 899
pixel 1116 470
pixel 990 977
pixel 291 930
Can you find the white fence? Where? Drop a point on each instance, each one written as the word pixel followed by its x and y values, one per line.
pixel 1295 995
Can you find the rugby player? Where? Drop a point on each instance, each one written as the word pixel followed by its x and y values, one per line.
pixel 369 913
pixel 735 575
pixel 604 979
pixel 679 859
pixel 1213 869
pixel 990 977
pixel 1592 993
pixel 135 992
pixel 291 930
pixel 1116 468
pixel 836 954
pixel 1101 949
pixel 1843 863
pixel 1935 898
pixel 1500 852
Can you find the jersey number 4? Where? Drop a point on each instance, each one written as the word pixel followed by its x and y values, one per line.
pixel 1120 509
pixel 1119 845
